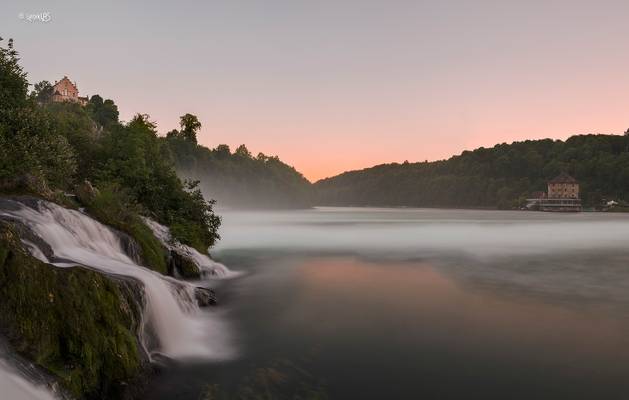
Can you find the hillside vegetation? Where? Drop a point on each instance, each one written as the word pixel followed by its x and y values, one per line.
pixel 498 177
pixel 79 325
pixel 238 179
pixel 49 149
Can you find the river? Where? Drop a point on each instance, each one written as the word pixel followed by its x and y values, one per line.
pixel 365 303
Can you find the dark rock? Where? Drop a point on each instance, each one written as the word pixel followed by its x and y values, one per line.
pixel 24 232
pixel 205 297
pixel 183 266
pixel 58 316
pixel 13 203
pixel 8 204
pixel 131 247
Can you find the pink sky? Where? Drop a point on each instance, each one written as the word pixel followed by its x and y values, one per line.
pixel 330 86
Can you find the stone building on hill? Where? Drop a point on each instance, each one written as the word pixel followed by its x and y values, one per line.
pixel 65 90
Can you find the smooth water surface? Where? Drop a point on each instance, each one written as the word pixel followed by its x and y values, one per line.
pixel 355 303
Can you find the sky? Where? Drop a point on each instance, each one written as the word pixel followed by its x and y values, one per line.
pixel 331 86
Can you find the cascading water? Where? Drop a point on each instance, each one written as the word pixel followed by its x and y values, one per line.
pixel 207 266
pixel 14 386
pixel 171 312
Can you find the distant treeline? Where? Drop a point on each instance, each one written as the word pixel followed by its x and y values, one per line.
pixel 498 177
pixel 238 179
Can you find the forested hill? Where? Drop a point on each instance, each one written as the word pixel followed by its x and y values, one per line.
pixel 498 177
pixel 238 179
pixel 50 149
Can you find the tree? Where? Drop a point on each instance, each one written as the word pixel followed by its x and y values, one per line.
pixel 240 180
pixel 137 160
pixel 13 83
pixel 489 177
pixel 42 92
pixel 223 151
pixel 243 152
pixel 31 150
pixel 190 125
pixel 105 113
pixel 143 122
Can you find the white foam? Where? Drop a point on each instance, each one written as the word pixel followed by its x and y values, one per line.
pixel 14 386
pixel 171 312
pixel 208 267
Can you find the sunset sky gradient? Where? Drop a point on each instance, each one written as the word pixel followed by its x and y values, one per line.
pixel 330 86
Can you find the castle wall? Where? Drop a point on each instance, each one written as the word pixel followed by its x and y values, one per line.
pixel 66 89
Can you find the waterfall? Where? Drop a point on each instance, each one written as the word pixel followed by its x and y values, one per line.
pixel 20 380
pixel 14 386
pixel 171 313
pixel 207 266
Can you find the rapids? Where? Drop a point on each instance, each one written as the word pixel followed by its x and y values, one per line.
pixel 171 317
pixel 17 387
pixel 207 266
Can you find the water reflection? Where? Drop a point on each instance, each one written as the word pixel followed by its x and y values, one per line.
pixel 405 329
pixel 390 304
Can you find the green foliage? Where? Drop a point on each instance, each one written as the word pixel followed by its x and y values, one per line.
pixel 190 125
pixel 194 222
pixel 46 145
pixel 113 207
pixel 239 179
pixel 497 177
pixel 105 113
pixel 136 159
pixel 243 152
pixel 30 148
pixel 13 83
pixel 57 317
pixel 42 92
pixel 73 122
pixel 55 145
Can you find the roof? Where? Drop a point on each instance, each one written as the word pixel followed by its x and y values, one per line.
pixel 65 78
pixel 563 178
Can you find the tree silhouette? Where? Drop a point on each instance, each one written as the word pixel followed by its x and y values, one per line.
pixel 190 125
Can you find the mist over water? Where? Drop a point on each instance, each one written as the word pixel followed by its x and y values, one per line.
pixel 376 303
pixel 425 231
pixel 413 303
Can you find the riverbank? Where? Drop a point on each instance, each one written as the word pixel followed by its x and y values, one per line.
pixel 79 302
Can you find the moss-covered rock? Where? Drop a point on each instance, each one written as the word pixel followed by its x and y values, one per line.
pixel 76 323
pixel 107 206
pixel 85 192
pixel 182 265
